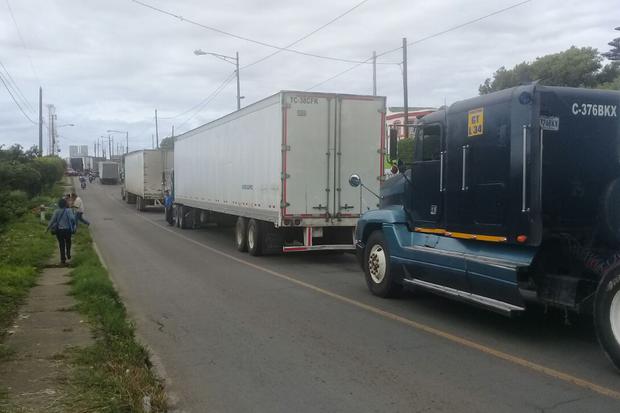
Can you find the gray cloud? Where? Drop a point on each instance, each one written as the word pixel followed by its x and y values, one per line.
pixel 108 64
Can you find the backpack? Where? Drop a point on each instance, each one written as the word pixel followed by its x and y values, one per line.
pixel 54 226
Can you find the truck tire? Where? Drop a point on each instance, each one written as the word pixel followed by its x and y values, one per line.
pixel 607 314
pixel 177 215
pixel 241 234
pixel 254 238
pixel 123 195
pixel 185 217
pixel 379 277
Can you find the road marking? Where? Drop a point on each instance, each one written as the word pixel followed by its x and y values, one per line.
pixel 559 375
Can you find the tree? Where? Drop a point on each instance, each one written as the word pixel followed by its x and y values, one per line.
pixel 614 53
pixel 405 150
pixel 576 67
pixel 167 143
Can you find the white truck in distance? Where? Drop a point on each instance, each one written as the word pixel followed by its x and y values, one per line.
pixel 279 170
pixel 146 173
pixel 108 172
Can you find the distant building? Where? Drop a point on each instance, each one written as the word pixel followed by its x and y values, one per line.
pixel 76 151
pixel 395 117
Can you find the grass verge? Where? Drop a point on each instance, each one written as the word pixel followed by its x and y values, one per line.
pixel 114 374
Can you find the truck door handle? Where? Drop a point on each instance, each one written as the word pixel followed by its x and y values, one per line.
pixel 441 161
pixel 464 180
pixel 524 160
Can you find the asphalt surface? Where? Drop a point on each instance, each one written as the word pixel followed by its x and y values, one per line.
pixel 301 333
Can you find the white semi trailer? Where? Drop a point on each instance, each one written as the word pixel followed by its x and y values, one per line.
pixel 108 172
pixel 146 174
pixel 279 170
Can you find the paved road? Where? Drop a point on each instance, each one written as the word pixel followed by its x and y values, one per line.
pixel 300 333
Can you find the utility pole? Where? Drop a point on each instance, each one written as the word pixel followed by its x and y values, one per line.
pixel 110 146
pixel 152 141
pixel 405 88
pixel 127 142
pixel 156 130
pixel 238 82
pixel 172 131
pixel 374 73
pixel 40 121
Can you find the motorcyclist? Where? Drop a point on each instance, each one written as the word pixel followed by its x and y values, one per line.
pixel 82 182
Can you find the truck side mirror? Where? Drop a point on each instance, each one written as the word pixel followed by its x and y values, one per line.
pixel 393 144
pixel 355 180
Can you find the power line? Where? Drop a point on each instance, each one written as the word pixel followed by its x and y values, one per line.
pixel 17 90
pixel 247 39
pixel 185 111
pixel 210 98
pixel 15 100
pixel 422 40
pixel 21 38
pixel 458 26
pixel 338 75
pixel 196 106
pixel 262 59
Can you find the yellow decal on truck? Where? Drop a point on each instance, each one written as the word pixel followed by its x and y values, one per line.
pixel 475 122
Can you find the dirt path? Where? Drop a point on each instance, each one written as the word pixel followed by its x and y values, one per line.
pixel 36 374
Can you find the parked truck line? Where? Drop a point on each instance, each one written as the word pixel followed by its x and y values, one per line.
pixel 146 174
pixel 277 169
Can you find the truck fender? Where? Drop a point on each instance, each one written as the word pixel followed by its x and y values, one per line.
pixel 375 219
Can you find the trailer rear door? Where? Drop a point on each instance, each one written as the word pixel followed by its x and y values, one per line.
pixel 308 132
pixel 361 124
pixel 326 139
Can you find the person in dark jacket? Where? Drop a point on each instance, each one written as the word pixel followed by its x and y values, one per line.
pixel 168 203
pixel 63 226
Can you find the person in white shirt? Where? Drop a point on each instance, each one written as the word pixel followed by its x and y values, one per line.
pixel 78 207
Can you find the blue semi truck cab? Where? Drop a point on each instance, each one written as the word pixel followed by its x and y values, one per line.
pixel 511 198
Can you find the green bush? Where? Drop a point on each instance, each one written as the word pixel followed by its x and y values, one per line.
pixel 20 176
pixel 51 169
pixel 23 176
pixel 13 204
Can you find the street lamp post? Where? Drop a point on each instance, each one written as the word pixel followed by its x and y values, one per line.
pixel 126 137
pixel 55 149
pixel 229 59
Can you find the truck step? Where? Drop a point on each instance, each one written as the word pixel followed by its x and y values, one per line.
pixel 495 305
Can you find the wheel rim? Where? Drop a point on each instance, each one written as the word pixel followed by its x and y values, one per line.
pixel 614 316
pixel 251 237
pixel 377 263
pixel 239 234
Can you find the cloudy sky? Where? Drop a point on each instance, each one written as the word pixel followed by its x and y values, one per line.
pixel 107 64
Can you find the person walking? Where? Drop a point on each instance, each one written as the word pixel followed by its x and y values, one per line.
pixel 63 226
pixel 168 202
pixel 78 207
